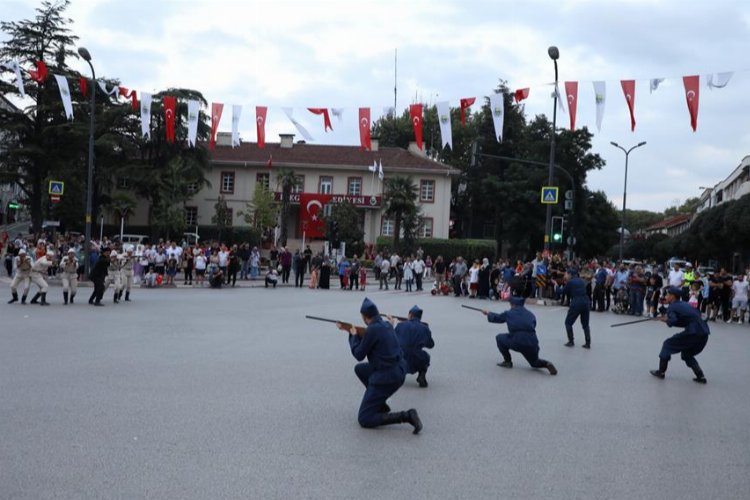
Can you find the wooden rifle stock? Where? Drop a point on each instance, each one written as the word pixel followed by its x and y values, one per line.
pixel 348 326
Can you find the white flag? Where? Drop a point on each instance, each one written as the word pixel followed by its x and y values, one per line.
pixel 115 89
pixel 302 130
pixel 497 108
pixel 16 68
pixel 560 101
pixel 62 84
pixel 374 167
pixel 654 84
pixel 236 114
pixel 444 117
pixel 380 171
pixel 600 94
pixel 193 113
pixel 338 113
pixel 720 80
pixel 146 115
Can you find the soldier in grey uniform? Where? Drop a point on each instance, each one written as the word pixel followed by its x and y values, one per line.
pixel 114 275
pixel 127 273
pixel 69 268
pixel 23 270
pixel 38 271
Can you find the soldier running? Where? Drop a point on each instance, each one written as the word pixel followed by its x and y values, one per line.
pixel 23 271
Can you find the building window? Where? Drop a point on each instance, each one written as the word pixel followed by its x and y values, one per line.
pixel 427 191
pixel 300 187
pixel 191 188
pixel 191 216
pixel 227 182
pixel 355 186
pixel 123 183
pixel 425 231
pixel 263 178
pixel 325 185
pixel 386 228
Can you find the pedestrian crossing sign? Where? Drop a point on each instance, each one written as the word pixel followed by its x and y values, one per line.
pixel 56 187
pixel 549 195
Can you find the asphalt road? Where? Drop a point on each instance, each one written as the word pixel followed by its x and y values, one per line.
pixel 211 394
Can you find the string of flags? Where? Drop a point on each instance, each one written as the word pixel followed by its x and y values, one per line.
pixel 40 73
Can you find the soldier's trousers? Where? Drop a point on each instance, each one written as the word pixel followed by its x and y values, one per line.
pixel 115 280
pixel 505 344
pixel 19 279
pixel 371 410
pixel 689 346
pixel 127 280
pixel 70 282
pixel 37 279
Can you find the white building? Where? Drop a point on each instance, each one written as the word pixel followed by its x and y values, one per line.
pixel 338 170
pixel 734 187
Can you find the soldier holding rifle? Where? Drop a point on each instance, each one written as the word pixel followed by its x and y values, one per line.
pixel 414 335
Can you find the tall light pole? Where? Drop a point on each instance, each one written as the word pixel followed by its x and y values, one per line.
pixel 84 53
pixel 554 54
pixel 625 191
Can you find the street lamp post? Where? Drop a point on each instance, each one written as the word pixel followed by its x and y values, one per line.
pixel 554 54
pixel 84 53
pixel 625 191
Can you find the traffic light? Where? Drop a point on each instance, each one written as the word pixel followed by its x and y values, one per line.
pixel 14 205
pixel 557 229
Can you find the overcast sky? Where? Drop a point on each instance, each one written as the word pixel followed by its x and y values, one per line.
pixel 341 54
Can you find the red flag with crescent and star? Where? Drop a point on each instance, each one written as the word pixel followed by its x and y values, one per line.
pixel 132 95
pixel 465 103
pixel 692 93
pixel 571 91
pixel 415 111
pixel 326 117
pixel 83 84
pixel 364 129
pixel 521 94
pixel 170 103
pixel 628 88
pixel 40 74
pixel 216 109
pixel 311 214
pixel 260 124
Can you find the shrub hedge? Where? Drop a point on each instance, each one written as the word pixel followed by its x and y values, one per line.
pixel 448 248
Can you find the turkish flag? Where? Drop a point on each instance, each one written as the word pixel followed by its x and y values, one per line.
pixel 170 103
pixel 521 94
pixel 364 129
pixel 465 103
pixel 311 212
pixel 692 93
pixel 628 88
pixel 571 90
pixel 132 95
pixel 326 117
pixel 84 86
pixel 260 124
pixel 415 111
pixel 40 74
pixel 216 109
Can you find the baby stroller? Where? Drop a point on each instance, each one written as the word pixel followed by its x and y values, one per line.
pixel 622 302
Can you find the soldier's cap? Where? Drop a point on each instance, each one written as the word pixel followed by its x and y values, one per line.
pixel 369 309
pixel 22 252
pixel 113 255
pixel 673 290
pixel 517 301
pixel 416 312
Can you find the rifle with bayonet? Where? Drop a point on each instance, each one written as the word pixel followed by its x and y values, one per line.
pixel 342 325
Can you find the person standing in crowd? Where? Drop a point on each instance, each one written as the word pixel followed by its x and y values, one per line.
pixel 398 274
pixel 418 267
pixel 637 288
pixel 38 272
pixel 274 257
pixel 414 336
pixel 299 270
pixel 223 260
pixel 308 258
pixel 428 267
pixel 690 342
pixel 69 268
pixel 575 288
pixel 653 293
pixel 385 271
pixel 99 276
pixel 171 268
pixel 233 265
pixel 285 257
pixel 408 271
pixel 474 279
pixel 188 262
pixel 254 263
pixel 439 269
pixel 483 281
pixel 376 265
pixel 725 295
pixel 200 269
pixel 459 271
pixel 23 275
pixel 739 299
pixel 315 264
pixel 521 336
pixel 244 256
pixel 325 273
pixel 362 278
pixel 383 373
pixel 600 283
pixel 343 268
pixel 354 273
pixel 676 278
pixel 10 253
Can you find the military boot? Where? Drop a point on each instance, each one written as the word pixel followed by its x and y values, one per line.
pixel 116 297
pixel 402 417
pixel 569 331
pixel 35 298
pixel 23 300
pixel 660 373
pixel 72 296
pixel 422 378
pixel 551 368
pixel 587 335
pixel 699 377
pixel 44 299
pixel 127 296
pixel 65 298
pixel 14 299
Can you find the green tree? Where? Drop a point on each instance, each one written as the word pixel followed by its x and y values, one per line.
pixel 598 223
pixel 349 224
pixel 261 212
pixel 121 205
pixel 288 181
pixel 221 218
pixel 400 202
pixel 687 207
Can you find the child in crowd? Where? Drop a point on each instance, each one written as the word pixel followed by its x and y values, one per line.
pixel 362 278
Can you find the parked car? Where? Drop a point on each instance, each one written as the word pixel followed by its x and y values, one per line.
pixel 133 239
pixel 674 260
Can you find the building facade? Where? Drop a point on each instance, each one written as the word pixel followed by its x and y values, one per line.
pixel 734 187
pixel 341 171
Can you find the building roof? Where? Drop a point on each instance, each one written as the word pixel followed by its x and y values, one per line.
pixel 317 155
pixel 667 223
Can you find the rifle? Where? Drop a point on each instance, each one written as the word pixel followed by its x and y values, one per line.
pixel 662 313
pixel 348 326
pixel 472 308
pixel 401 318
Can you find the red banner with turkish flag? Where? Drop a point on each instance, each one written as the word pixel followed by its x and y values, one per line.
pixel 628 88
pixel 571 90
pixel 521 94
pixel 415 111
pixel 260 122
pixel 364 129
pixel 465 103
pixel 132 95
pixel 216 109
pixel 311 214
pixel 326 117
pixel 692 93
pixel 170 103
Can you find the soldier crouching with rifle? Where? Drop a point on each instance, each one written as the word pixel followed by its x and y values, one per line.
pixel 384 371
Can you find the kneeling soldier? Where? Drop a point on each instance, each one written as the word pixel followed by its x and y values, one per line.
pixel 414 336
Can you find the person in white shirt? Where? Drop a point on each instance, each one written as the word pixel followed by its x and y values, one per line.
pixel 474 280
pixel 676 277
pixel 409 274
pixel 418 266
pixel 739 298
pixel 200 268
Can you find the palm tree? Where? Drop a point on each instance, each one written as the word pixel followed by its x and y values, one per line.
pixel 400 201
pixel 288 182
pixel 122 205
